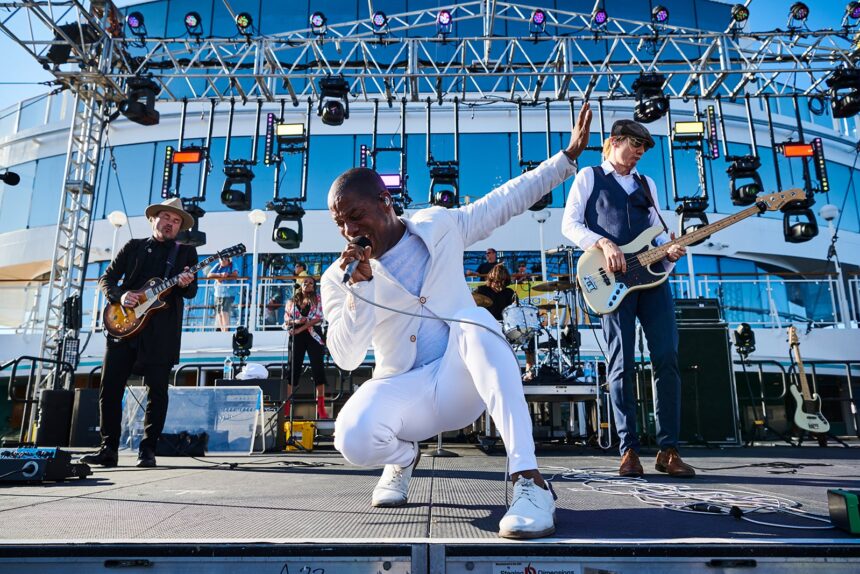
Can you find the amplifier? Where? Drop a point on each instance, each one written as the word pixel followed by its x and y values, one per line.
pixel 273 389
pixel 699 310
pixel 28 464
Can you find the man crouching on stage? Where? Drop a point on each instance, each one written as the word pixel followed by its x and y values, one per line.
pixel 432 375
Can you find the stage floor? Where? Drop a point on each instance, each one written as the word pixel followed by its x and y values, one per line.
pixel 317 496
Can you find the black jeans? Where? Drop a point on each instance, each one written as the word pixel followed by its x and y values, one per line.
pixel 304 343
pixel 117 368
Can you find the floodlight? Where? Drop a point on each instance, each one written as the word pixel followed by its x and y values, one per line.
pixel 799 11
pixel 319 24
pixel 194 24
pixel 796 149
pixel 600 17
pixel 537 23
pixel 136 24
pixel 688 131
pixel 244 23
pixel 740 13
pixel 659 14
pixel 379 23
pixel 444 23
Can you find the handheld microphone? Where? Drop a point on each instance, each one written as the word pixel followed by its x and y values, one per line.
pixel 350 269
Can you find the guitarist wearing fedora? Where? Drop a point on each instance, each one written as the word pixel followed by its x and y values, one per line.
pixel 610 205
pixel 155 349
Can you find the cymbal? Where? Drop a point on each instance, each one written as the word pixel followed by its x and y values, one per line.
pixel 482 300
pixel 549 306
pixel 553 286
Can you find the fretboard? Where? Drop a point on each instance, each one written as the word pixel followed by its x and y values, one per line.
pixel 801 373
pixel 658 253
pixel 170 283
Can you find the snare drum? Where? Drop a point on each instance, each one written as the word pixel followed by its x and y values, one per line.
pixel 519 322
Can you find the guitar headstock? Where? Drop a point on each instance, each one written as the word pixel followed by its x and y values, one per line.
pixel 778 200
pixel 792 336
pixel 233 251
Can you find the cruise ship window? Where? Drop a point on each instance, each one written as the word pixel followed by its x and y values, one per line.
pixel 486 162
pixel 134 169
pixel 330 156
pixel 33 113
pixel 15 201
pixel 47 188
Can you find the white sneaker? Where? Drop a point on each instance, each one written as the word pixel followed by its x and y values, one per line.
pixel 532 512
pixel 393 487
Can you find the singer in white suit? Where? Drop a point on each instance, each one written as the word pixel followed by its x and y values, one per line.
pixel 432 373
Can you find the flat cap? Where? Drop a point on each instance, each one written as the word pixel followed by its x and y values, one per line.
pixel 633 129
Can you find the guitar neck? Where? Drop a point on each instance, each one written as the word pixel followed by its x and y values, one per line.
pixel 801 373
pixel 659 253
pixel 168 284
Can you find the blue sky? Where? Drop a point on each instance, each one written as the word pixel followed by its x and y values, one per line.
pixel 26 72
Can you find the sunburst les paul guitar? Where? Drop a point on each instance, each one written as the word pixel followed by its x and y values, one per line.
pixel 603 290
pixel 126 322
pixel 807 414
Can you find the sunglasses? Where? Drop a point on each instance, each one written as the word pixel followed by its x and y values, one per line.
pixel 636 142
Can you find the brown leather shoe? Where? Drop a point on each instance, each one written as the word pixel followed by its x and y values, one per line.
pixel 630 465
pixel 669 461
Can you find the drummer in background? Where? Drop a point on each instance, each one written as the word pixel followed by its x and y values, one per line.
pixel 502 296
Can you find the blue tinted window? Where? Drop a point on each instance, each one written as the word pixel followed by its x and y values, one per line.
pixel 47 189
pixel 15 201
pixel 33 113
pixel 127 188
pixel 330 156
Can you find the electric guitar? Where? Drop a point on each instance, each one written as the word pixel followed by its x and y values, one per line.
pixel 126 322
pixel 807 415
pixel 603 290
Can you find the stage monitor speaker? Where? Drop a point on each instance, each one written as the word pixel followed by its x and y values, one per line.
pixel 273 389
pixel 699 310
pixel 709 406
pixel 85 419
pixel 55 417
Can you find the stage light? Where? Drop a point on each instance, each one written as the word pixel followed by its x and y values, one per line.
pixel 194 24
pixel 193 237
pixel 600 17
pixel 713 142
pixel 167 174
pixel 844 84
pixel 740 13
pixel 799 225
pixel 651 103
pixel 445 185
pixel 236 193
pixel 139 105
pixel 744 339
pixel 136 24
pixel 798 11
pixel 189 155
pixel 10 178
pixel 852 12
pixel 537 23
pixel 795 149
pixel 289 212
pixel 244 22
pixel 745 168
pixel 379 23
pixel 820 166
pixel 243 341
pixel 688 131
pixel 444 23
pixel 692 216
pixel 290 133
pixel 319 24
pixel 659 14
pixel 334 104
pixel 393 182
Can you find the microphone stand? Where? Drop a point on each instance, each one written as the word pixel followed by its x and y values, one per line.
pixel 291 440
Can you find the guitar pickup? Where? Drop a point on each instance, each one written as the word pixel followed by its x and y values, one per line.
pixel 605 277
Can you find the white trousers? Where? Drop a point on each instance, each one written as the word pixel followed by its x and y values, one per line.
pixel 478 372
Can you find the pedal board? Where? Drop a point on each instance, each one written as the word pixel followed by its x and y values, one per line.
pixel 39 464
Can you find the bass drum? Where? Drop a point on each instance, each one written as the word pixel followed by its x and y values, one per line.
pixel 519 322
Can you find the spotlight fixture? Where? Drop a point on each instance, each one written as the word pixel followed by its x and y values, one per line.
pixel 243 341
pixel 744 339
pixel 334 104
pixel 799 225
pixel 740 14
pixel 319 24
pixel 852 12
pixel 139 103
pixel 688 131
pixel 844 84
pixel 136 24
pixel 194 24
pixel 745 168
pixel 444 23
pixel 289 211
pixel 798 12
pixel 599 18
pixel 244 23
pixel 379 23
pixel 651 103
pixel 445 185
pixel 236 193
pixel 692 216
pixel 537 23
pixel 193 237
pixel 659 14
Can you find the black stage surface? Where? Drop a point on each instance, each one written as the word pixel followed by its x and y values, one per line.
pixel 292 497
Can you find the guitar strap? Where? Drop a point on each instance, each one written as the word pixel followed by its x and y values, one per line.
pixel 644 183
pixel 171 260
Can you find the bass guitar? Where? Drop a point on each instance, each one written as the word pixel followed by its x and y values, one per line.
pixel 603 290
pixel 126 322
pixel 807 414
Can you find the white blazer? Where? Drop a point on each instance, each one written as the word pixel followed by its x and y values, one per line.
pixel 354 325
